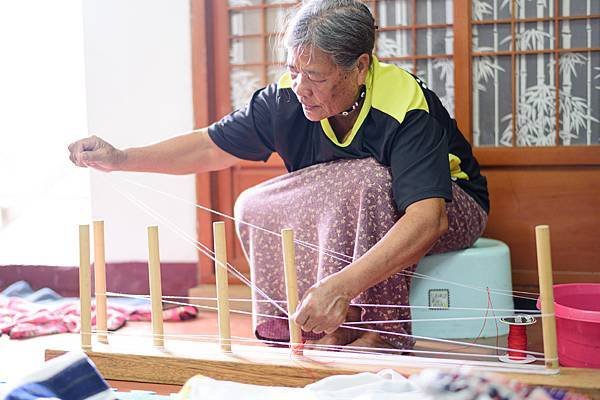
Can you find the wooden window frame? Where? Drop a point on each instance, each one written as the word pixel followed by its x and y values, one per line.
pixel 211 94
pixel 216 19
pixel 501 156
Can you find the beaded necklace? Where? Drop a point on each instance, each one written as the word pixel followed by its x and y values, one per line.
pixel 363 92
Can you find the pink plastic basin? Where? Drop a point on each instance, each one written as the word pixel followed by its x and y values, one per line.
pixel 577 309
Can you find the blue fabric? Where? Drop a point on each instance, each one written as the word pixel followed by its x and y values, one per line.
pixel 77 381
pixel 23 290
pixel 17 289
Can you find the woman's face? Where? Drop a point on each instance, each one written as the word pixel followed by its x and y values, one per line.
pixel 323 88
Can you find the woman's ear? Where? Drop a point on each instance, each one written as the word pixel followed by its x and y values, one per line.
pixel 364 62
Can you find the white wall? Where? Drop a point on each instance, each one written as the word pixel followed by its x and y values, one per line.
pixel 42 109
pixel 139 90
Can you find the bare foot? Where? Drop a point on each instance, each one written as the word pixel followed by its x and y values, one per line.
pixel 342 336
pixel 351 338
pixel 371 340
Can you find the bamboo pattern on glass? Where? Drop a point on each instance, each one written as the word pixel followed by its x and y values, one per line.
pixel 446 66
pixel 446 73
pixel 484 69
pixel 536 93
pixel 243 84
pixel 394 44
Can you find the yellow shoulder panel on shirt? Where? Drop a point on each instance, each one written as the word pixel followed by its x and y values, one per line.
pixel 455 170
pixel 285 81
pixel 395 91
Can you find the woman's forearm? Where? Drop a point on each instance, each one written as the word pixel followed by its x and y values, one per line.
pixel 189 153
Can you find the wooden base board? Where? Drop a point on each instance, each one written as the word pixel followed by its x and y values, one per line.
pixel 132 359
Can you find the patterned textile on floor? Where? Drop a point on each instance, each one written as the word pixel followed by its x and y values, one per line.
pixel 71 376
pixel 344 206
pixel 470 385
pixel 21 318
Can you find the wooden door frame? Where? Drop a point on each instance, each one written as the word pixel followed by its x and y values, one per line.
pixel 210 79
pixel 203 90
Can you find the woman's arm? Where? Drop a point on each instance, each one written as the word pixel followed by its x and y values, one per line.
pixel 324 306
pixel 185 154
pixel 423 223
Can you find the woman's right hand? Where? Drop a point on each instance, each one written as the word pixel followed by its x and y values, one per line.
pixel 96 153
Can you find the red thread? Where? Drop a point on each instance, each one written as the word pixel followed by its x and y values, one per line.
pixel 517 342
pixel 297 349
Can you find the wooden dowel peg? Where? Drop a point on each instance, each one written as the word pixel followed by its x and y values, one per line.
pixel 291 288
pixel 100 282
pixel 544 259
pixel 85 295
pixel 155 287
pixel 222 285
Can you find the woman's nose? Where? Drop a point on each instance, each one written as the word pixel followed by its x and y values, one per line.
pixel 300 86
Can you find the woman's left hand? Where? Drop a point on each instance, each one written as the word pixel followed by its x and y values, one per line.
pixel 323 307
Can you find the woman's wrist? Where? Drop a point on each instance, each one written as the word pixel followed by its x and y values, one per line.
pixel 121 159
pixel 350 283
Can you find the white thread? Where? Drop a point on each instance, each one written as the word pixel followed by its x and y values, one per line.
pixel 215 299
pixel 238 274
pixel 234 219
pixel 449 308
pixel 400 321
pixel 344 355
pixel 276 305
pixel 511 310
pixel 422 276
pixel 147 297
pixel 361 329
pixel 314 246
pixel 438 340
pixel 315 346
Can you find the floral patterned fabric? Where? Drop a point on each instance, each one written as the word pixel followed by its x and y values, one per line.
pixel 344 207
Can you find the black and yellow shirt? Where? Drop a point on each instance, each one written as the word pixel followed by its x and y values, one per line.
pixel 402 124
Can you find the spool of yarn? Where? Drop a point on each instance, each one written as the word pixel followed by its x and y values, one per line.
pixel 517 339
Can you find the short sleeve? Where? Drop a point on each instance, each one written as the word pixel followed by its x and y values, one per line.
pixel 247 133
pixel 419 161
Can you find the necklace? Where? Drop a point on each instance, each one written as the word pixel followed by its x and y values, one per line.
pixel 363 92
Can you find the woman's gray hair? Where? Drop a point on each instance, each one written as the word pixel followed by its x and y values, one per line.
pixel 344 29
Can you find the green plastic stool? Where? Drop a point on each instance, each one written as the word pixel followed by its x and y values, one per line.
pixel 485 264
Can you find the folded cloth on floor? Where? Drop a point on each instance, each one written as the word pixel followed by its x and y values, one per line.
pixel 71 376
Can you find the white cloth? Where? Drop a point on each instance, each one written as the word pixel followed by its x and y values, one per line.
pixel 385 385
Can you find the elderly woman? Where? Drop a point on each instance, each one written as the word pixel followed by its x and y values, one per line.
pixel 379 176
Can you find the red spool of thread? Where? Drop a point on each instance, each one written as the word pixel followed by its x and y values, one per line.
pixel 517 339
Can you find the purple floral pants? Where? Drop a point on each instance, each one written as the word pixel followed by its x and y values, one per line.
pixel 338 210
